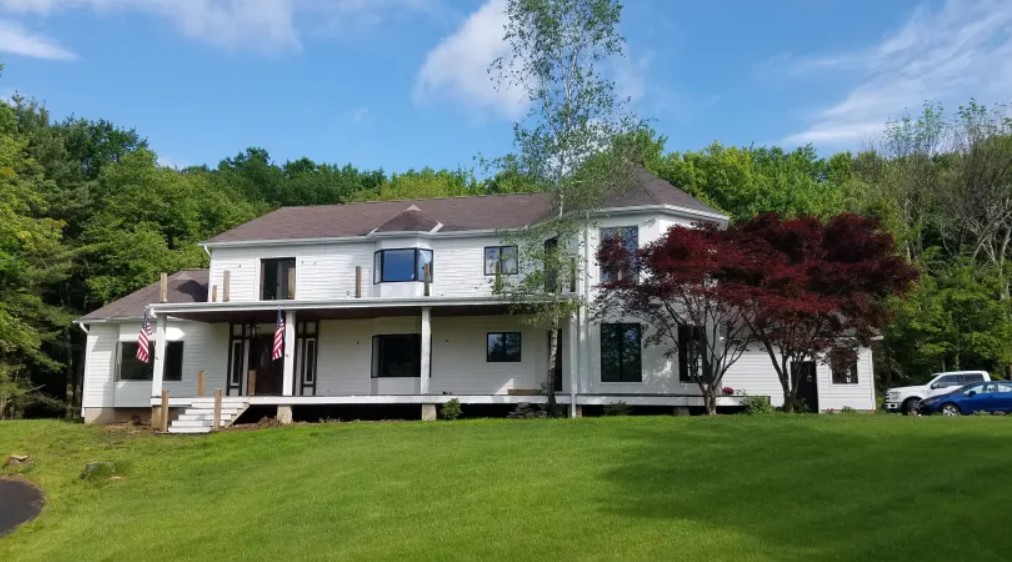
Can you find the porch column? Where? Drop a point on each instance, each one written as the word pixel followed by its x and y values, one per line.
pixel 288 373
pixel 158 374
pixel 426 363
pixel 572 366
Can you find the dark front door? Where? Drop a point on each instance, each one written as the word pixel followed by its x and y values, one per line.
pixel 269 374
pixel 808 389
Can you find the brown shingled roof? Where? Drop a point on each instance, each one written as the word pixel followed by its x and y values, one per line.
pixel 189 285
pixel 487 212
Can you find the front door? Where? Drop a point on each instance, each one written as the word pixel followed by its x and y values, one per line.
pixel 808 388
pixel 269 373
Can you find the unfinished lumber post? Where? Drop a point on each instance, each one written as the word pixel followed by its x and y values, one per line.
pixel 427 274
pixel 251 383
pixel 201 380
pixel 164 421
pixel 225 277
pixel 163 288
pixel 216 422
pixel 358 281
pixel 214 293
pixel 498 276
pixel 291 283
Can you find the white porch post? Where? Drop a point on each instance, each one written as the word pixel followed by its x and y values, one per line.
pixel 288 374
pixel 426 363
pixel 158 374
pixel 572 367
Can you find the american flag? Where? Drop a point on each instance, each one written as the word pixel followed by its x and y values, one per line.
pixel 142 339
pixel 279 338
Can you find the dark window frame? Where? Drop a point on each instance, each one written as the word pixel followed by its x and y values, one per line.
pixel 416 273
pixel 618 337
pixel 848 376
pixel 502 270
pixel 687 334
pixel 379 342
pixel 171 372
pixel 280 285
pixel 505 356
pixel 606 233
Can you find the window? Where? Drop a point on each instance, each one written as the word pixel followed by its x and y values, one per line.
pixel 504 256
pixel 551 268
pixel 629 237
pixel 131 369
pixel 407 264
pixel 277 279
pixel 690 356
pixel 948 380
pixel 396 355
pixel 620 353
pixel 972 377
pixel 845 376
pixel 503 347
pixel 974 390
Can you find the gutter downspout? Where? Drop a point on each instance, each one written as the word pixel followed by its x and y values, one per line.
pixel 82 326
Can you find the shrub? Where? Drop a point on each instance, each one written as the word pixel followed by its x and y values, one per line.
pixel 616 409
pixel 757 405
pixel 450 410
pixel 847 410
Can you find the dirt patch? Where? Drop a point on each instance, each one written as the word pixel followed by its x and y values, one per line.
pixel 19 502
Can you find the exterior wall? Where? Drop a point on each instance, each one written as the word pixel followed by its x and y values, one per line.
pixel 204 348
pixel 860 396
pixel 327 272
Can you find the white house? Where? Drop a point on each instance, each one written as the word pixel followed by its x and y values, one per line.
pixel 363 327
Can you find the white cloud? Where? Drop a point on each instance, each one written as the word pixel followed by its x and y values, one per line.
pixel 359 114
pixel 457 68
pixel 17 40
pixel 170 162
pixel 948 55
pixel 267 26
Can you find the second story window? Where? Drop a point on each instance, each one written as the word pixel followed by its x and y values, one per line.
pixel 628 236
pixel 277 279
pixel 407 264
pixel 501 260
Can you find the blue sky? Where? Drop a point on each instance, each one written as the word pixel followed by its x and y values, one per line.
pixel 402 83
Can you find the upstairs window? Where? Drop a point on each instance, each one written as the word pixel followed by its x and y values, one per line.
pixel 406 264
pixel 131 369
pixel 503 256
pixel 621 353
pixel 277 279
pixel 628 236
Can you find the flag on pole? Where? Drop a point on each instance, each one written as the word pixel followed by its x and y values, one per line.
pixel 279 338
pixel 143 338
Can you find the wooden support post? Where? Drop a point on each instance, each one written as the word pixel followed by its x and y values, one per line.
pixel 163 288
pixel 214 293
pixel 216 422
pixel 291 283
pixel 251 383
pixel 201 381
pixel 164 421
pixel 358 281
pixel 427 274
pixel 225 277
pixel 572 275
pixel 498 276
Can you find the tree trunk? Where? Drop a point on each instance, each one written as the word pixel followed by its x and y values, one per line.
pixel 553 363
pixel 710 398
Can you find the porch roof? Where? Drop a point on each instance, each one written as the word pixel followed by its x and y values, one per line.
pixel 336 309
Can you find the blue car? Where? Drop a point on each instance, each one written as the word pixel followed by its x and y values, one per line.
pixel 992 397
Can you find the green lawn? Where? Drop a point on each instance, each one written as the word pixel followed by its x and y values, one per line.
pixel 732 488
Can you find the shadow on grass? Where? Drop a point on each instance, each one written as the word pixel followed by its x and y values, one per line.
pixel 830 490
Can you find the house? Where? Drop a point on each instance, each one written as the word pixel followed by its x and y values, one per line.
pixel 391 303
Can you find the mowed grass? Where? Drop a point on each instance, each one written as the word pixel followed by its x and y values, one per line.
pixel 731 488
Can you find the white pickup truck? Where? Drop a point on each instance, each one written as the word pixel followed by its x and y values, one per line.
pixel 906 398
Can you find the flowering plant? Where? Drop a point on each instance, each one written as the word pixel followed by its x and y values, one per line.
pixel 728 390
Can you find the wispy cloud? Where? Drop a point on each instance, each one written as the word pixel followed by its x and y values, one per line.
pixel 15 39
pixel 456 69
pixel 961 50
pixel 359 114
pixel 266 26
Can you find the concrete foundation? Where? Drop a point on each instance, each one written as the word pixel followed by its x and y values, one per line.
pixel 284 414
pixel 578 411
pixel 682 411
pixel 102 416
pixel 428 412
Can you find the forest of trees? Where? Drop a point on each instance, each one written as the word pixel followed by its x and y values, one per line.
pixel 88 215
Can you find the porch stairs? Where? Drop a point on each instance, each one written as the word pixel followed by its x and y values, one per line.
pixel 198 418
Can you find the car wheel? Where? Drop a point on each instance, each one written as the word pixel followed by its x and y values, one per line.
pixel 950 410
pixel 910 406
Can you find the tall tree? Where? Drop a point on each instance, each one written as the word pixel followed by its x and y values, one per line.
pixel 565 146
